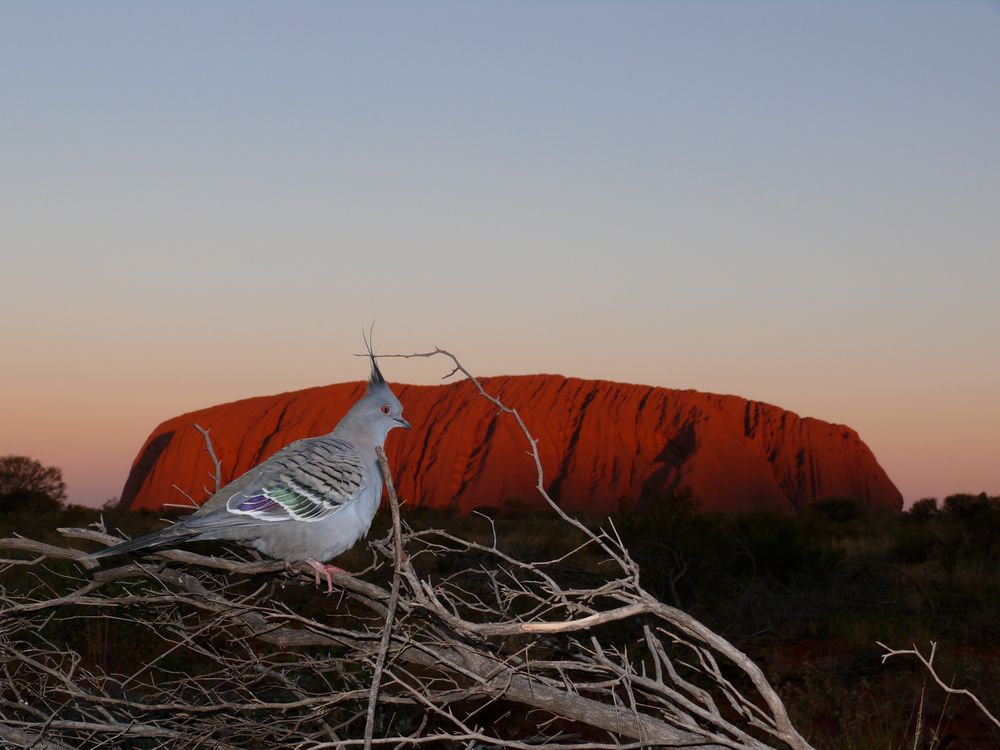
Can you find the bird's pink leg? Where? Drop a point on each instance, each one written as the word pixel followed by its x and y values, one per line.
pixel 326 571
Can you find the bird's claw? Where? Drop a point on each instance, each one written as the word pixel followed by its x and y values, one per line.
pixel 326 571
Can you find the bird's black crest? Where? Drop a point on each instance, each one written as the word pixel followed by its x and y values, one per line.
pixel 376 377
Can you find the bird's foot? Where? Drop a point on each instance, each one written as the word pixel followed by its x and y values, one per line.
pixel 326 571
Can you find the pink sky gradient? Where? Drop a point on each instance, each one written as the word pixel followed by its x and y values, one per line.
pixel 795 203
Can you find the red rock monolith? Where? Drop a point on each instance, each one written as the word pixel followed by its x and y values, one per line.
pixel 604 446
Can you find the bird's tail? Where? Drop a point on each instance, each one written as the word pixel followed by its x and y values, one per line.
pixel 146 541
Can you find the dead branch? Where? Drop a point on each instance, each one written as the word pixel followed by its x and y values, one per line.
pixel 928 663
pixel 216 463
pixel 435 643
pixel 390 616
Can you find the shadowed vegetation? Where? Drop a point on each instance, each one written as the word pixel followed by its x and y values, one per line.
pixel 806 596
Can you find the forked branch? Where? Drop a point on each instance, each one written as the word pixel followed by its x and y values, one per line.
pixel 928 663
pixel 435 644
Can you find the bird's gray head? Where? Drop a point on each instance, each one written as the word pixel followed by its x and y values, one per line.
pixel 379 407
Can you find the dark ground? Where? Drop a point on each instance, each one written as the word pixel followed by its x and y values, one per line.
pixel 807 596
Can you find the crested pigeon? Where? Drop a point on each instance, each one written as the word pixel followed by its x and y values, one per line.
pixel 310 501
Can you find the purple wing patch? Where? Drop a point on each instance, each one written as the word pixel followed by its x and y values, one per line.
pixel 258 504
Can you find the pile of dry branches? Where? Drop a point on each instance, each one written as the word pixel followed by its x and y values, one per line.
pixel 440 641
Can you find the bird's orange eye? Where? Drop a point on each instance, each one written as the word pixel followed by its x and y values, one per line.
pixel 385 409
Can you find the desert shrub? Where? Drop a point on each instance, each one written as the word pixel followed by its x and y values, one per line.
pixel 783 549
pixel 927 506
pixel 916 544
pixel 839 509
pixel 964 504
pixel 28 501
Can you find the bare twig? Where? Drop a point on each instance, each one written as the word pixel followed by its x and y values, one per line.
pixel 928 662
pixel 397 545
pixel 216 463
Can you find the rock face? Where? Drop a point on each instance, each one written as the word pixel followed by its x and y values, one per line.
pixel 603 446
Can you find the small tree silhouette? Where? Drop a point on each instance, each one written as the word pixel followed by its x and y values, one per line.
pixel 25 482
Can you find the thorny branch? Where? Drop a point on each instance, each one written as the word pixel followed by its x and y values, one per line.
pixel 443 641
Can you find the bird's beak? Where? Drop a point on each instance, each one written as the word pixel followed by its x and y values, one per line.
pixel 403 422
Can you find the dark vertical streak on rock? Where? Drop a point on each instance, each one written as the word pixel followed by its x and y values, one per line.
pixel 475 470
pixel 570 449
pixel 262 451
pixel 140 470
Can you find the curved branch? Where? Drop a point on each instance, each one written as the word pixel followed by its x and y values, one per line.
pixel 928 662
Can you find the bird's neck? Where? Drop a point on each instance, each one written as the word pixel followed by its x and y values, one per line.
pixel 360 429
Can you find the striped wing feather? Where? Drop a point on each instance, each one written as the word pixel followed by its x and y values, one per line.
pixel 307 481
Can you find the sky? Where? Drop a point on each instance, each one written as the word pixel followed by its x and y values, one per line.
pixel 794 202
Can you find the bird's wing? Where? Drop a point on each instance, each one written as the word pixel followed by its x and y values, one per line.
pixel 308 481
